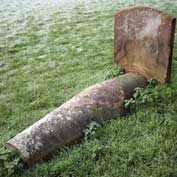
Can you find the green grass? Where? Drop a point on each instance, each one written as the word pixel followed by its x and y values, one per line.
pixel 48 57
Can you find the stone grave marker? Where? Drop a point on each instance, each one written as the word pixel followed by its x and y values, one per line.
pixel 143 42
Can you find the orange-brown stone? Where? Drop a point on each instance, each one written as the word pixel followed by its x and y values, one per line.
pixel 143 42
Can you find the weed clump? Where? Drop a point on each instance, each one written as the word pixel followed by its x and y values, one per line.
pixel 90 131
pixel 10 162
pixel 142 95
pixel 114 72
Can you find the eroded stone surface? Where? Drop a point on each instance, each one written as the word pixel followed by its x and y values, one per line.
pixel 65 125
pixel 143 42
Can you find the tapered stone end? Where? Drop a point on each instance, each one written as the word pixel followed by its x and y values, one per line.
pixel 143 42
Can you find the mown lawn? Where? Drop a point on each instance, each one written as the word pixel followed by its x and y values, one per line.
pixel 50 51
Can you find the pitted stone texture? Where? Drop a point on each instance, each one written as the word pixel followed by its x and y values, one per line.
pixel 65 125
pixel 143 42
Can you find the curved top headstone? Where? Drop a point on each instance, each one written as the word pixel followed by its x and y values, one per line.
pixel 143 42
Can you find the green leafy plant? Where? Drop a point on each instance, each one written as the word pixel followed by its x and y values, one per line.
pixel 152 83
pixel 114 72
pixel 90 130
pixel 142 96
pixel 10 162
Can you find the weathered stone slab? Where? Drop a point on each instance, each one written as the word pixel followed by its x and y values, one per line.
pixel 143 42
pixel 65 125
